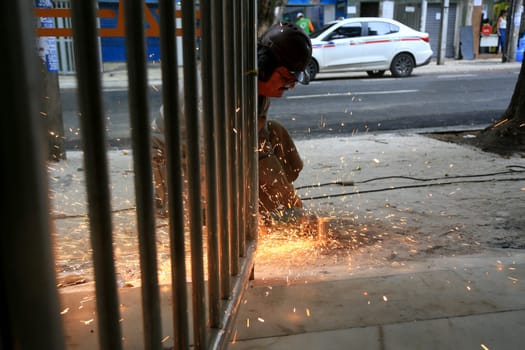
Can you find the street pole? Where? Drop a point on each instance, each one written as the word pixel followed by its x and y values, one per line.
pixel 513 27
pixel 424 7
pixel 442 41
pixel 476 27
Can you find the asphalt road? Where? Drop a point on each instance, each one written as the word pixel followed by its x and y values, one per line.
pixel 344 106
pixel 364 104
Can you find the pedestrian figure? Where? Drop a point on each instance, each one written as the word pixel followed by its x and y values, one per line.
pixel 501 28
pixel 305 23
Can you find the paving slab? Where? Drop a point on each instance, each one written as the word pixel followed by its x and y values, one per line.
pixel 356 338
pixel 488 331
pixel 78 305
pixel 427 307
pixel 502 330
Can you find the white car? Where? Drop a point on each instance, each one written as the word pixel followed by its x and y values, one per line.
pixel 369 44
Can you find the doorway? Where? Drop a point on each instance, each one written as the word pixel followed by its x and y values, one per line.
pixel 369 9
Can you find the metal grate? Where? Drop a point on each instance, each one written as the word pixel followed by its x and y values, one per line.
pixel 204 303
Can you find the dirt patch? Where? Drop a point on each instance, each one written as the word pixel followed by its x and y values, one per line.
pixel 458 137
pixel 507 143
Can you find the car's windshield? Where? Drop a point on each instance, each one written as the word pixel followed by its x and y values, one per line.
pixel 322 29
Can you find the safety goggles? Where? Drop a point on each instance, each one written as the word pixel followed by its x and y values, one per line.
pixel 302 77
pixel 292 77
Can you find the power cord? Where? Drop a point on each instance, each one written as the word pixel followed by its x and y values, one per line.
pixel 512 169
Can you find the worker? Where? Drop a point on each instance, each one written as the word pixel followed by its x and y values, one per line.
pixel 283 53
pixel 305 23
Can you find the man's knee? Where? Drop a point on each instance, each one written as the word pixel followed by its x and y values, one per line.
pixel 275 191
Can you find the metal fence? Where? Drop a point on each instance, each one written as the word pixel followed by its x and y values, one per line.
pixel 203 309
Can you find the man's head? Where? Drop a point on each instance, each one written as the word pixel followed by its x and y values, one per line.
pixel 300 15
pixel 283 53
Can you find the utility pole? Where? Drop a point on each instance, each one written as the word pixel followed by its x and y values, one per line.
pixel 424 7
pixel 476 27
pixel 443 24
pixel 51 106
pixel 513 27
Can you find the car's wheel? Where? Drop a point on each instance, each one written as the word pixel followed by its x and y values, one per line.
pixel 312 69
pixel 375 73
pixel 402 65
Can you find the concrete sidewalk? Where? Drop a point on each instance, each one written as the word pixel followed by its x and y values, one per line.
pixel 433 266
pixel 476 307
pixel 425 248
pixel 425 267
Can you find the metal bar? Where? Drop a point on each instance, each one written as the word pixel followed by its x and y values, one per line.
pixel 248 119
pixel 229 58
pixel 247 264
pixel 211 166
pixel 240 283
pixel 229 123
pixel 220 146
pixel 97 179
pixel 174 170
pixel 194 187
pixel 140 130
pixel 251 87
pixel 29 303
pixel 240 120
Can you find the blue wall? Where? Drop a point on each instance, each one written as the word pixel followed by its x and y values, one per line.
pixel 114 48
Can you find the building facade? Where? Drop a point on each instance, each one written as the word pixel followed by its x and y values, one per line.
pixel 423 15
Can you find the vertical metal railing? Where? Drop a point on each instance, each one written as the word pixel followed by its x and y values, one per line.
pixel 221 145
pixel 140 123
pixel 250 113
pixel 229 81
pixel 29 304
pixel 219 117
pixel 210 127
pixel 92 123
pixel 239 126
pixel 170 78
pixel 194 171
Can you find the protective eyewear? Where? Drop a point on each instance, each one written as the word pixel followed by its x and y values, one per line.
pixel 302 77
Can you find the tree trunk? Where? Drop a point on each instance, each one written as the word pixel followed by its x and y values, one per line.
pixel 507 135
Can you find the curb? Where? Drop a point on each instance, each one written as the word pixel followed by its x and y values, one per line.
pixel 115 74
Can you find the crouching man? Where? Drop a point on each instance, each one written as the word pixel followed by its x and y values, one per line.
pixel 283 52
